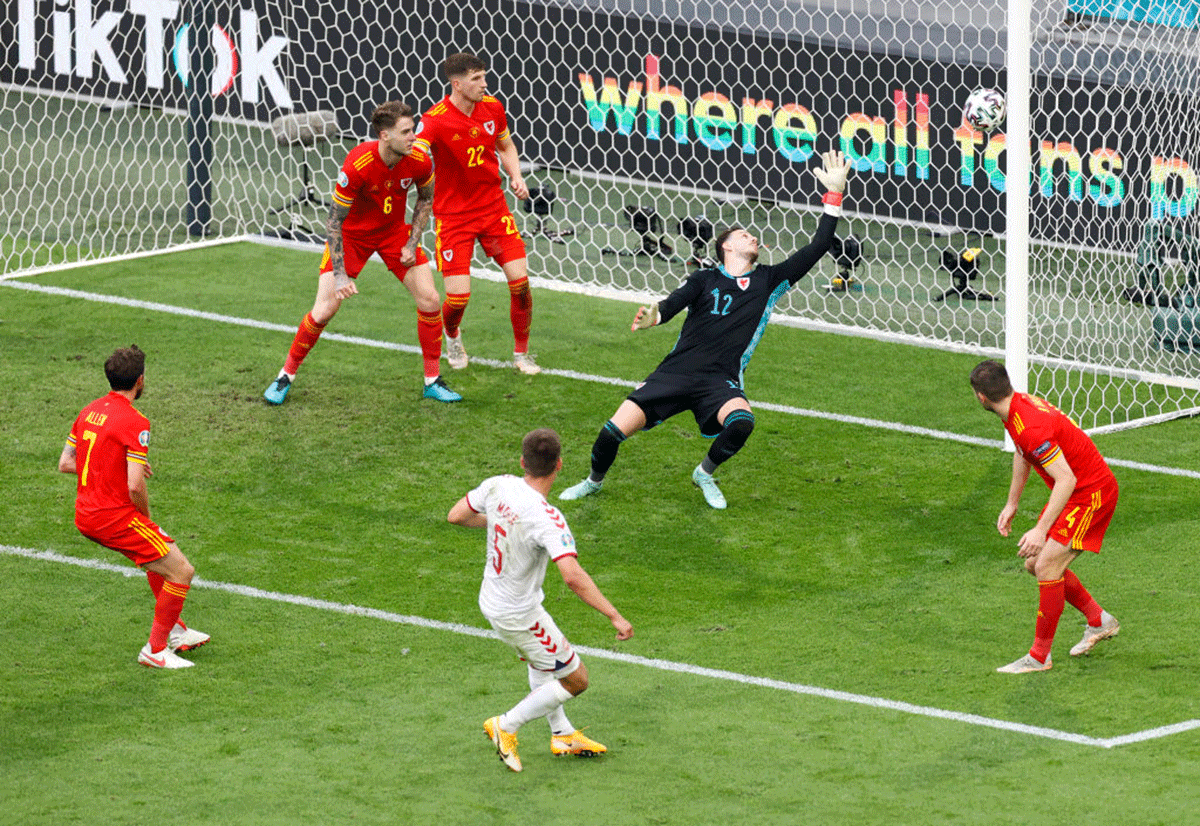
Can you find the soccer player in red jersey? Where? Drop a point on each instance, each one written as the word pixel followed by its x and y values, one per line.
pixel 107 452
pixel 367 216
pixel 1083 495
pixel 467 135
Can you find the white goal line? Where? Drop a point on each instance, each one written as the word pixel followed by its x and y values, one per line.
pixel 879 424
pixel 632 659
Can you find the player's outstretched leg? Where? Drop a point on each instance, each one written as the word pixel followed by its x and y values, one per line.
pixel 307 335
pixel 604 453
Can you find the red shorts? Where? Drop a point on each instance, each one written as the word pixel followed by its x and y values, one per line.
pixel 357 250
pixel 135 535
pixel 1084 520
pixel 497 234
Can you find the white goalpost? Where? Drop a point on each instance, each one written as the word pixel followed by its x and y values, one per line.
pixel 648 125
pixel 1016 202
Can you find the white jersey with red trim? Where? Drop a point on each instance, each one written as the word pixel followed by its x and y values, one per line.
pixel 524 533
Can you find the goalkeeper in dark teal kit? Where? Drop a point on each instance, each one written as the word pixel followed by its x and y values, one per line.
pixel 728 307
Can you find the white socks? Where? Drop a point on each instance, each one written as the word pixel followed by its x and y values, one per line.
pixel 541 702
pixel 559 724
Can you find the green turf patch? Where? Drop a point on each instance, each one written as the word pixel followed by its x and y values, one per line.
pixel 850 558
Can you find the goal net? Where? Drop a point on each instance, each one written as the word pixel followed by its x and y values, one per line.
pixel 649 125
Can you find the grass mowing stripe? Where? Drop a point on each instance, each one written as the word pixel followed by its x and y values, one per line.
pixel 646 662
pixel 570 374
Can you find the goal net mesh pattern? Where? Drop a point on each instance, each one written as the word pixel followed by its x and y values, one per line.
pixel 647 126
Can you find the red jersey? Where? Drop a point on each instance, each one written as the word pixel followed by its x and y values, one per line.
pixel 376 194
pixel 464 153
pixel 1043 433
pixel 107 434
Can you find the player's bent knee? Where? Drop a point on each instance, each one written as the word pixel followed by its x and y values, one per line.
pixel 1051 563
pixel 185 573
pixel 577 681
pixel 1049 570
pixel 737 428
pixel 178 568
pixel 742 424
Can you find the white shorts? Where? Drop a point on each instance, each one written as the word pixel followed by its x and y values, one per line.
pixel 539 643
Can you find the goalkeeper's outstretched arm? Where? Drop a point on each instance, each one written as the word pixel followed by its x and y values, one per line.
pixel 833 173
pixel 665 310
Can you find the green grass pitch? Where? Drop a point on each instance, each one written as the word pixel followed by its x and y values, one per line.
pixel 852 558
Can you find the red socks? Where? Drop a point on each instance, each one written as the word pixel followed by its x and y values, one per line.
pixel 305 338
pixel 520 309
pixel 1079 597
pixel 156 582
pixel 167 606
pixel 452 311
pixel 429 333
pixel 1051 599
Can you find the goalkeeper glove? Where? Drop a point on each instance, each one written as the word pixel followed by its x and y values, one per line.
pixel 646 318
pixel 835 169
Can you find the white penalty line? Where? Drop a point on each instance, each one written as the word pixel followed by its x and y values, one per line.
pixel 633 659
pixel 841 418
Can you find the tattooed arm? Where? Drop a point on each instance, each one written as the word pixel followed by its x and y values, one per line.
pixel 420 217
pixel 337 253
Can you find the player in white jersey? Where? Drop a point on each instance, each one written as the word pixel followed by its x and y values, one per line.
pixel 524 533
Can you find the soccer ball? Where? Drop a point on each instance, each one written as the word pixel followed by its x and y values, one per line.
pixel 985 109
